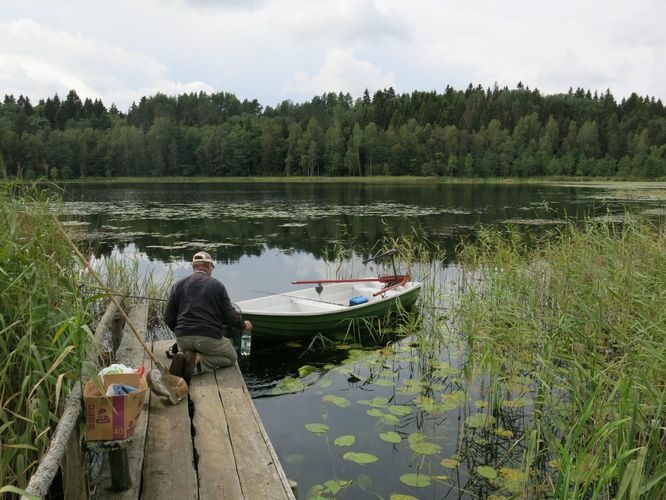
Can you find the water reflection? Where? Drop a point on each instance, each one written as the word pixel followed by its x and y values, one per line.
pixel 420 406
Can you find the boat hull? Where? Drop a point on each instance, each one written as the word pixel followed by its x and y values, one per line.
pixel 306 313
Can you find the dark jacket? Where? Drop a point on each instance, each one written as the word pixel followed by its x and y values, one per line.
pixel 200 305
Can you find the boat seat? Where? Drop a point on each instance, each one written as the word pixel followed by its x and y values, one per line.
pixel 310 305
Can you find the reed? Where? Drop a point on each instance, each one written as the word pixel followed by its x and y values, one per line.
pixel 582 315
pixel 130 284
pixel 43 332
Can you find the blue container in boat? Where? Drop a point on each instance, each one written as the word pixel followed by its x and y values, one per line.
pixel 354 301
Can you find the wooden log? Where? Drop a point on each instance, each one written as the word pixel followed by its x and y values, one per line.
pixel 41 480
pixel 101 333
pixel 169 470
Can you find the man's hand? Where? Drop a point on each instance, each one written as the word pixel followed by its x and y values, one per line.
pixel 247 325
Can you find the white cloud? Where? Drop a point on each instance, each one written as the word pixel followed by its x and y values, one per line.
pixel 39 62
pixel 295 49
pixel 337 21
pixel 340 72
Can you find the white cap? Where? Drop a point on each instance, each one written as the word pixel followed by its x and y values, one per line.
pixel 202 257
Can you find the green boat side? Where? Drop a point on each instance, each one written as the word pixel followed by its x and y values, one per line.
pixel 285 326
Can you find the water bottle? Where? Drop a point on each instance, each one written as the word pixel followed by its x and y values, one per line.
pixel 246 343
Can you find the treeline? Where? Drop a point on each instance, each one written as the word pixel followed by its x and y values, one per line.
pixel 472 133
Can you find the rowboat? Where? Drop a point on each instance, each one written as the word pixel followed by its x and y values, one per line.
pixel 329 307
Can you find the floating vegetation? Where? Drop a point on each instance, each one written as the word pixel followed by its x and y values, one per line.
pixel 416 480
pixel 390 437
pixel 346 440
pixel 317 428
pixel 524 384
pixel 360 458
pixel 486 472
pixel 336 400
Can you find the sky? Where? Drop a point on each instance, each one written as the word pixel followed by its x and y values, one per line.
pixel 273 50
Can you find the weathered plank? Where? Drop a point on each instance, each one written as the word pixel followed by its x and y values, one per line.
pixel 131 353
pixel 218 477
pixel 168 470
pixel 260 473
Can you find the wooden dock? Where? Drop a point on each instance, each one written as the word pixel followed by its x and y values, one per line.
pixel 213 446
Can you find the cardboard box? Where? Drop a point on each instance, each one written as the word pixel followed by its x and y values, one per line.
pixel 110 418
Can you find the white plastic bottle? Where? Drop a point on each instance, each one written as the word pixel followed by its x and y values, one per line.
pixel 246 343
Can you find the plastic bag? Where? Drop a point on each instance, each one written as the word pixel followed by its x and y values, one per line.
pixel 115 368
pixel 119 389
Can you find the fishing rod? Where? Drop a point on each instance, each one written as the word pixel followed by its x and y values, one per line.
pixel 108 292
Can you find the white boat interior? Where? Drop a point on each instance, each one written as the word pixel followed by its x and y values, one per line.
pixel 333 297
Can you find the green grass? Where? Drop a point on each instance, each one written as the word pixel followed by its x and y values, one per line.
pixel 43 332
pixel 48 301
pixel 582 315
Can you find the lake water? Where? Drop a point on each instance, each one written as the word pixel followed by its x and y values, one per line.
pixel 406 411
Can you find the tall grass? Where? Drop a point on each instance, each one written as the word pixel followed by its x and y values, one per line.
pixel 130 284
pixel 43 332
pixel 582 315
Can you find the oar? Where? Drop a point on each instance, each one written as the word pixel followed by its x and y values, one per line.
pixel 160 380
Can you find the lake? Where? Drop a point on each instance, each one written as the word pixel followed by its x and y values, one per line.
pixel 347 421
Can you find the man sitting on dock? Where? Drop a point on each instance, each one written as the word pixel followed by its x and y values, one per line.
pixel 201 315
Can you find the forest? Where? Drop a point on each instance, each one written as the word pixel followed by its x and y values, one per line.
pixel 476 132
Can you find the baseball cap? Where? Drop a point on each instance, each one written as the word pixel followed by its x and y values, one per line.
pixel 202 257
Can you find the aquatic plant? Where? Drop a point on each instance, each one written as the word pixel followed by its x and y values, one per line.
pixel 580 319
pixel 130 284
pixel 43 328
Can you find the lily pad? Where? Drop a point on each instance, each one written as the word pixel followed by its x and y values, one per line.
pixel 400 411
pixel 346 440
pixel 390 437
pixel 400 496
pixel 317 428
pixel 486 471
pixel 513 479
pixel 379 402
pixel 374 412
pixel 445 371
pixel 450 463
pixel 334 486
pixel 360 458
pixel 425 448
pixel 384 383
pixel 325 383
pixel 503 433
pixel 415 480
pixel 517 403
pixel 480 420
pixel 337 400
pixel 287 385
pixel 306 370
pixel 390 419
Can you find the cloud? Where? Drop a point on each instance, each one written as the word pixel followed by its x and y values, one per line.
pixel 38 62
pixel 223 4
pixel 339 21
pixel 340 72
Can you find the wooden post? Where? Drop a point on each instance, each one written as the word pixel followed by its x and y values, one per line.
pixel 121 479
pixel 117 324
